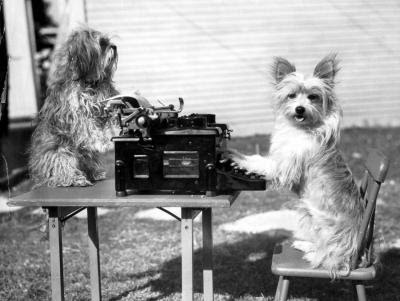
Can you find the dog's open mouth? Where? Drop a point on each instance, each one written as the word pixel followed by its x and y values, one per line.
pixel 299 118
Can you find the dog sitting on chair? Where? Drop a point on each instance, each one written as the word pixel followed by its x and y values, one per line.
pixel 304 157
pixel 72 131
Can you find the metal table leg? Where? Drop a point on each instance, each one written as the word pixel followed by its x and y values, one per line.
pixel 95 281
pixel 208 288
pixel 56 257
pixel 187 253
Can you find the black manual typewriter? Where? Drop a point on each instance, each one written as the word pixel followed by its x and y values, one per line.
pixel 158 151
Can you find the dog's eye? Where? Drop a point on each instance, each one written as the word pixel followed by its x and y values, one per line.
pixel 104 43
pixel 313 97
pixel 292 95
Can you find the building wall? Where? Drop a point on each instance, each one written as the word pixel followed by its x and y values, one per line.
pixel 217 54
pixel 23 84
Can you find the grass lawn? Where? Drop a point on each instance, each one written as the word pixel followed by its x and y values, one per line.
pixel 140 259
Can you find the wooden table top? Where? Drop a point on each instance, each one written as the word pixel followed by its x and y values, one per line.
pixel 102 194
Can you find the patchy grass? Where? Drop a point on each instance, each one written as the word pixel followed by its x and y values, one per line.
pixel 140 259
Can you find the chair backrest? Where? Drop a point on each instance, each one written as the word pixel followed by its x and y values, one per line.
pixel 377 166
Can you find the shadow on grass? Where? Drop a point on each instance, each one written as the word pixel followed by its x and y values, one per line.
pixel 242 270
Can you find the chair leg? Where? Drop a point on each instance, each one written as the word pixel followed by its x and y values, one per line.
pixel 284 289
pixel 360 288
pixel 278 289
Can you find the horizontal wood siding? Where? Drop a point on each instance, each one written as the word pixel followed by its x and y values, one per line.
pixel 217 54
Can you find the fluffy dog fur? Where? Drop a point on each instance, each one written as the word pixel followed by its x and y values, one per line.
pixel 72 133
pixel 304 157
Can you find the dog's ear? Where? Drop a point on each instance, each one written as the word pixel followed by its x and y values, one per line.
pixel 280 68
pixel 84 54
pixel 327 68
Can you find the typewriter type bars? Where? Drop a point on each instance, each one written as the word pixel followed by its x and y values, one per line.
pixel 158 151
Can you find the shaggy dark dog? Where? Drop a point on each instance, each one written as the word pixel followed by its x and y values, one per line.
pixel 72 131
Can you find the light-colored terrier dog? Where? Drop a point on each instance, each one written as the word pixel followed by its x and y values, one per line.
pixel 304 157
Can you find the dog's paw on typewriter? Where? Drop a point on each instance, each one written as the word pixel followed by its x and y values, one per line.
pixel 248 164
pixel 233 158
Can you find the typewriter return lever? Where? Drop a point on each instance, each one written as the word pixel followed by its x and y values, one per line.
pixel 169 108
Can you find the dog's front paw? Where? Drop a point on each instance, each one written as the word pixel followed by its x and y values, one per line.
pixel 80 181
pixel 99 175
pixel 238 162
pixel 251 164
pixel 234 158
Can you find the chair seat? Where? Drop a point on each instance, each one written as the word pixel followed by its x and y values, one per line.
pixel 288 261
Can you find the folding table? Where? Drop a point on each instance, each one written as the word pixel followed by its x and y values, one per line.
pixel 63 203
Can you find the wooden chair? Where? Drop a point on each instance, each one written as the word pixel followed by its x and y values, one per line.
pixel 287 262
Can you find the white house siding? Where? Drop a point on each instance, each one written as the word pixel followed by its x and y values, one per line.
pixel 22 84
pixel 217 54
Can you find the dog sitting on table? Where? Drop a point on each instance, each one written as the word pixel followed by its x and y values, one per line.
pixel 305 158
pixel 72 131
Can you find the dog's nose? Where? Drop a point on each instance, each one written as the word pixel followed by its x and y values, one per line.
pixel 300 110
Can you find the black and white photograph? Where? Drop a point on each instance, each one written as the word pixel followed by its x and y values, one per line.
pixel 199 150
